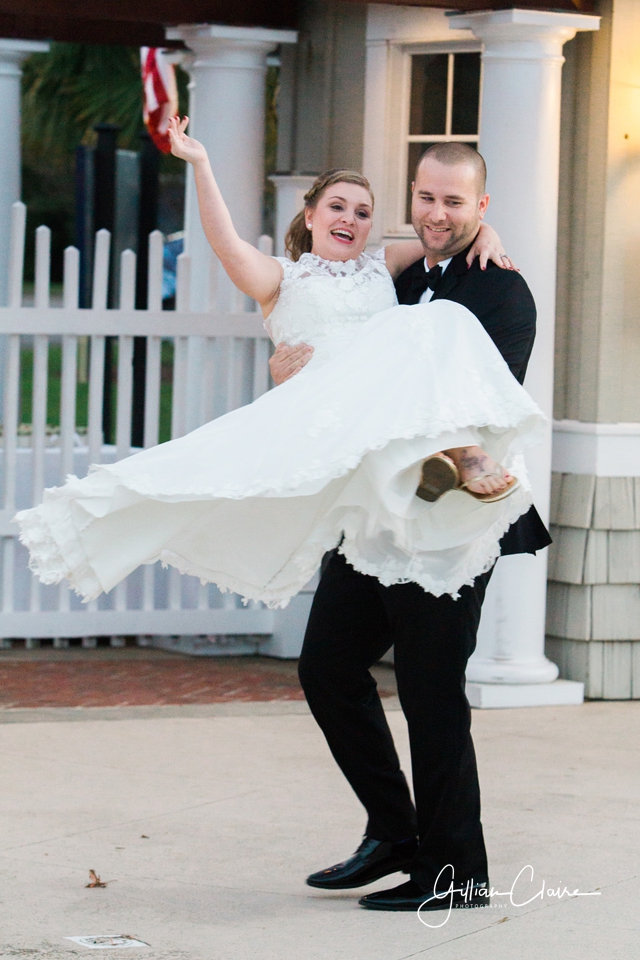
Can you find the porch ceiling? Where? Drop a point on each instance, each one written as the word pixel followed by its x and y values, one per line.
pixel 139 22
pixel 133 22
pixel 581 6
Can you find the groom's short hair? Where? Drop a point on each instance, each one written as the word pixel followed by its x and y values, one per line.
pixel 452 152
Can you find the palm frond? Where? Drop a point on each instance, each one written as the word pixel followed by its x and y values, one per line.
pixel 74 86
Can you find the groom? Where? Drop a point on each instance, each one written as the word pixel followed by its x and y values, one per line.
pixel 355 619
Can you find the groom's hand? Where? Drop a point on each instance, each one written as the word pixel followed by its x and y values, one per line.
pixel 287 361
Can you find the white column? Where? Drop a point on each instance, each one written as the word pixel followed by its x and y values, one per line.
pixel 12 53
pixel 227 107
pixel 227 66
pixel 290 191
pixel 520 140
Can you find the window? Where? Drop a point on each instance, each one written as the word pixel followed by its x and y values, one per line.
pixel 444 105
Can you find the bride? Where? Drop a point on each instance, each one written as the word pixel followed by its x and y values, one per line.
pixel 363 448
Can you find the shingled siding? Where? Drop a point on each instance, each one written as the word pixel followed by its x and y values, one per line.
pixel 593 609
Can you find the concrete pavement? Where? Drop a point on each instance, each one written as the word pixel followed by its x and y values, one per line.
pixel 206 819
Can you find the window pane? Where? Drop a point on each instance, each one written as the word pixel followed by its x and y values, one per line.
pixel 466 94
pixel 415 152
pixel 429 94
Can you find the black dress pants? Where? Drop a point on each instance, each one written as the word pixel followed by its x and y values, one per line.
pixel 354 620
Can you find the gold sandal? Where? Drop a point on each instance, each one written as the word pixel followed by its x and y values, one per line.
pixel 512 486
pixel 440 474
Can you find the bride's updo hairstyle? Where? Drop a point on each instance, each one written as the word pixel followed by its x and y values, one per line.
pixel 298 239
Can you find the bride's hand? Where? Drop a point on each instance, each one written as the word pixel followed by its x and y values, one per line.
pixel 183 146
pixel 488 246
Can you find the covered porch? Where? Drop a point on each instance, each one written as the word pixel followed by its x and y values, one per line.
pixel 345 90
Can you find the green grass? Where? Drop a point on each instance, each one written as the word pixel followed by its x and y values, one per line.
pixel 55 289
pixel 82 390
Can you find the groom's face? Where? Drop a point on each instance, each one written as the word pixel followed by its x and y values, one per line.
pixel 446 208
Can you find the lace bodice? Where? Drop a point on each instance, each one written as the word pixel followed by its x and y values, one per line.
pixel 323 298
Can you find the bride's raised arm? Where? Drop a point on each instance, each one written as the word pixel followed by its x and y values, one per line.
pixel 252 272
pixel 487 246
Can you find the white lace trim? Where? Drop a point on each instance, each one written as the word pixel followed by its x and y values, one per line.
pixel 306 562
pixel 310 264
pixel 397 570
pixel 486 550
pixel 51 533
pixel 146 484
pixel 56 552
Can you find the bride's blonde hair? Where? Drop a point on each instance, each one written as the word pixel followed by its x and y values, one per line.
pixel 298 239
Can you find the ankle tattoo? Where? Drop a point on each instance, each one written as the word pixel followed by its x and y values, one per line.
pixel 469 461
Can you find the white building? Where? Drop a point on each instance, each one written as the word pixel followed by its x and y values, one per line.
pixel 368 86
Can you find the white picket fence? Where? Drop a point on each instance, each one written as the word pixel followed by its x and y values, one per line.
pixel 152 601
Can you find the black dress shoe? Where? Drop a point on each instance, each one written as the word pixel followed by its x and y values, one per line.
pixel 373 859
pixel 411 896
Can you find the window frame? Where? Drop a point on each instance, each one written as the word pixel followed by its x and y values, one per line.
pixel 399 188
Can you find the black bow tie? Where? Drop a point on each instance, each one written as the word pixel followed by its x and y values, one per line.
pixel 432 277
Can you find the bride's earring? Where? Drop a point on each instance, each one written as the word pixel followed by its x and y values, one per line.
pixel 308 226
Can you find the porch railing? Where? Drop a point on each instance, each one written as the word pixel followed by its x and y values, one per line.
pixel 232 368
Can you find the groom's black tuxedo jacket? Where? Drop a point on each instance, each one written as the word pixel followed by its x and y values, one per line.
pixel 502 302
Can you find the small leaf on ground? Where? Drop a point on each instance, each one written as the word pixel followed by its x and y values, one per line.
pixel 95 881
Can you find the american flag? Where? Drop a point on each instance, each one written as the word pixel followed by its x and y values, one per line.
pixel 160 95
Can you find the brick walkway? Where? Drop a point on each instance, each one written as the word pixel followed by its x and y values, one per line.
pixel 143 677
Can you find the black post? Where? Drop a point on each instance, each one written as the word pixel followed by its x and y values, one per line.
pixel 104 217
pixel 84 219
pixel 147 221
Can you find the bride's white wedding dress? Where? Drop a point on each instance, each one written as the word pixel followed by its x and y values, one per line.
pixel 252 500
